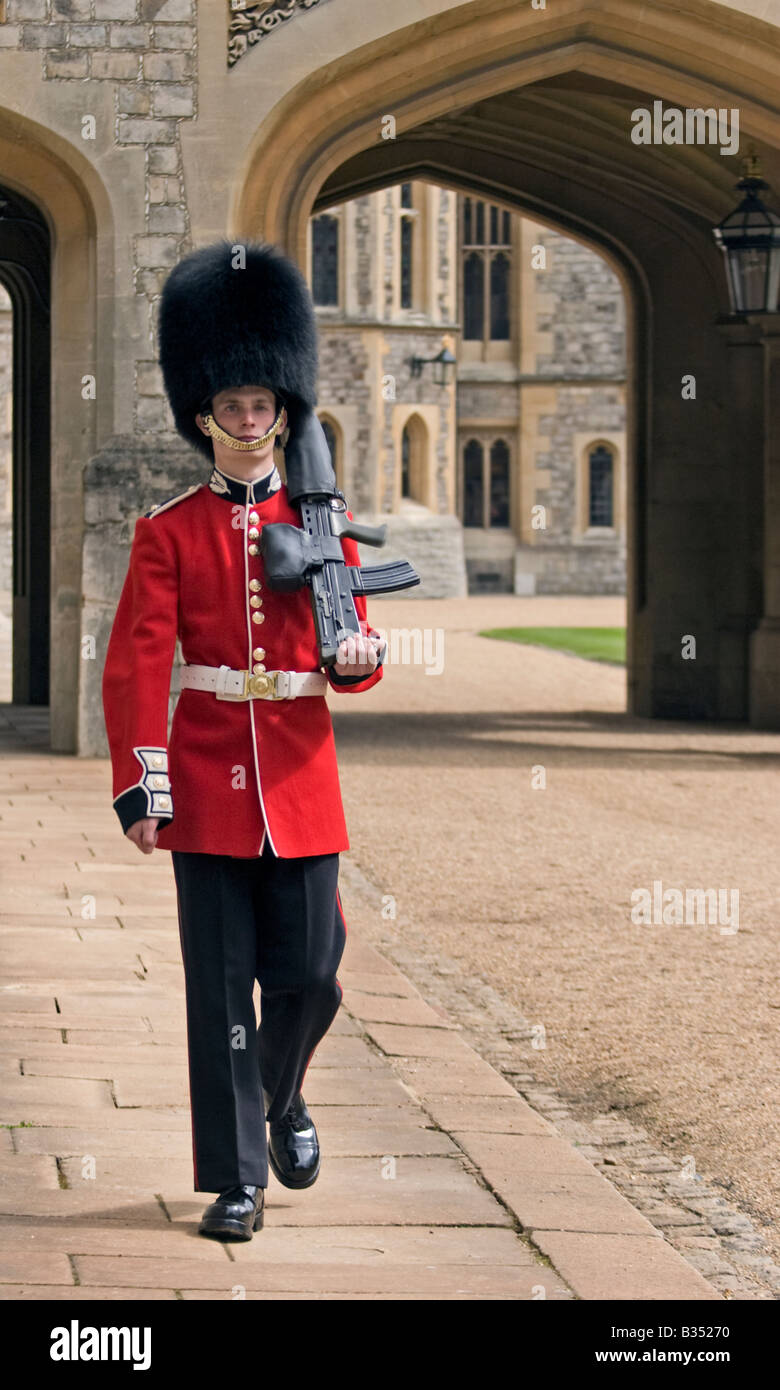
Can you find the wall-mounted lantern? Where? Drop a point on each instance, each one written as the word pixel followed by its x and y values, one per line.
pixel 443 367
pixel 750 241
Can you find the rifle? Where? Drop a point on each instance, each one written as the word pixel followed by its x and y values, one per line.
pixel 313 555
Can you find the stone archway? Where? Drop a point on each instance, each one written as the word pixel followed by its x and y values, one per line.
pixel 533 108
pixel 25 258
pixel 61 191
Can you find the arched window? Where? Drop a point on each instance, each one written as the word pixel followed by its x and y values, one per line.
pixel 406 457
pixel 499 483
pixel 499 226
pixel 486 484
pixel 325 259
pixel 414 461
pixel 468 235
pixel 486 267
pixel 407 232
pixel 335 442
pixel 406 258
pixel 600 486
pixel 328 431
pixel 499 297
pixel 473 297
pixel 473 484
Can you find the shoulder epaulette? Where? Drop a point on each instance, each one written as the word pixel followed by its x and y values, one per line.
pixel 162 506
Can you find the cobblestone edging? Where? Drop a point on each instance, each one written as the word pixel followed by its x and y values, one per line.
pixel 710 1232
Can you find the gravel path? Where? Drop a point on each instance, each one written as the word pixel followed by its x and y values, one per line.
pixel 529 890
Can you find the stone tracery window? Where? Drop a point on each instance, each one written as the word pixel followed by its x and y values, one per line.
pixel 406 451
pixel 473 484
pixel 499 297
pixel 474 297
pixel 486 250
pixel 601 486
pixel 408 214
pixel 499 483
pixel 486 484
pixel 325 259
pixel 414 461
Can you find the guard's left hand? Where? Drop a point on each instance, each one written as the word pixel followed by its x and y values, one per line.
pixel 358 655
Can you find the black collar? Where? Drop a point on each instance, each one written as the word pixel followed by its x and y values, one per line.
pixel 236 490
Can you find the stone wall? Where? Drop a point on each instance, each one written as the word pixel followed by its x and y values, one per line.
pixel 147 50
pixel 122 482
pixel 569 557
pixel 572 336
pixel 399 345
pixel 590 567
pixel 433 545
pixel 585 315
pixel 345 379
pixel 365 379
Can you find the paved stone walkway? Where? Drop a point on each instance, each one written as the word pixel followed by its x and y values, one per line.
pixel 438 1180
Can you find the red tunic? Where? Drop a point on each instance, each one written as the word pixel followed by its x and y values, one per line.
pixel 235 770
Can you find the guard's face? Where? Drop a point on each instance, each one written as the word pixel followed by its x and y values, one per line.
pixel 246 412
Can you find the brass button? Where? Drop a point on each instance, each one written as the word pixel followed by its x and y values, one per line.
pixel 157 761
pixel 159 781
pixel 254 585
pixel 253 518
pixel 255 602
pixel 164 801
pixel 253 533
pixel 253 550
pixel 258 667
pixel 258 617
pixel 258 653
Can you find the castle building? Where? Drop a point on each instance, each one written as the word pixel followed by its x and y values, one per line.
pixel 531 460
pixel 538 368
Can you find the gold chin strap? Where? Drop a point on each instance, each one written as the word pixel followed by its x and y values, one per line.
pixel 217 432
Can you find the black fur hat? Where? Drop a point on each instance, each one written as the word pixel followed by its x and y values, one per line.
pixel 222 325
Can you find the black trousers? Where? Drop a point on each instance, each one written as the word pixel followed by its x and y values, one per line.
pixel 277 921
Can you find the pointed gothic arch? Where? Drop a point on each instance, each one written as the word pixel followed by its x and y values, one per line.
pixel 533 108
pixel 413 474
pixel 49 179
pixel 335 437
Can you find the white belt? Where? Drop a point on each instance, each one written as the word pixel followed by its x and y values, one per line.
pixel 240 685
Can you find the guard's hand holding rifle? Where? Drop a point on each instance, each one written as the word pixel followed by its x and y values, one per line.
pixel 358 656
pixel 313 555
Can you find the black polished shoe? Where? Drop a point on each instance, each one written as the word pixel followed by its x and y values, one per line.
pixel 237 1212
pixel 293 1149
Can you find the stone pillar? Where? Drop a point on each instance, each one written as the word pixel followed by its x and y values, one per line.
pixel 765 641
pixel 741 582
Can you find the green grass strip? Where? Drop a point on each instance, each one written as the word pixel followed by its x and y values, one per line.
pixel 595 643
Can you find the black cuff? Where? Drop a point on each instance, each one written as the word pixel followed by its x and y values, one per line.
pixel 353 680
pixel 133 805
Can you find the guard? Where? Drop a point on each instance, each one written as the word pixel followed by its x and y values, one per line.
pixel 246 796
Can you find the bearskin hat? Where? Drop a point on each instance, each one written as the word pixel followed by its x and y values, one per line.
pixel 236 314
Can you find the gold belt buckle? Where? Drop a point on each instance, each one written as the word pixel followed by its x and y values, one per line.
pixel 263 684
